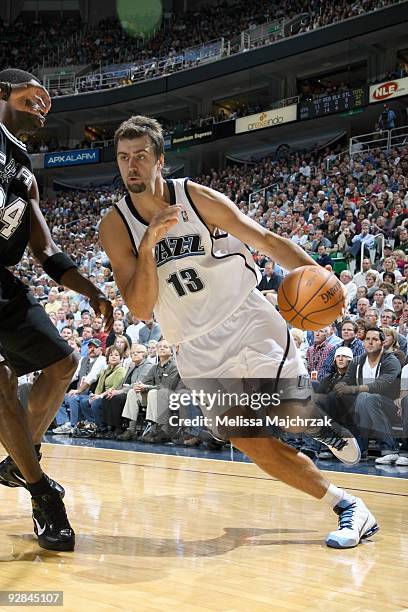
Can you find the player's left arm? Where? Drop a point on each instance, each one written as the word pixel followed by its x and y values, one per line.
pixel 217 210
pixel 43 247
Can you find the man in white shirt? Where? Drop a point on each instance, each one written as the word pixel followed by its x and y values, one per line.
pixel 134 328
pixel 372 384
pixel 379 301
pixel 360 278
pixel 87 372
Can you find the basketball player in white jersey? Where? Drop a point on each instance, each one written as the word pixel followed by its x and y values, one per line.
pixel 178 249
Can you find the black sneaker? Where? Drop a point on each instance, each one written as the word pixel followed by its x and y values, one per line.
pixel 51 523
pixel 10 476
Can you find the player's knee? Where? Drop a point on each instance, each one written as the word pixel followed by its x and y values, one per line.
pixel 8 384
pixel 63 370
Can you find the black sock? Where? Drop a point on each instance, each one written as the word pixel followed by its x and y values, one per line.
pixel 40 487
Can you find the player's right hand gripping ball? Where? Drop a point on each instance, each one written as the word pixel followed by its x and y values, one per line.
pixel 311 297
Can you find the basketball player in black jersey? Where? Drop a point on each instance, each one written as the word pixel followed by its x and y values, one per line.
pixel 28 339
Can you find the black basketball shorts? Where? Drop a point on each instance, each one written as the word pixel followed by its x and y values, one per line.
pixel 28 339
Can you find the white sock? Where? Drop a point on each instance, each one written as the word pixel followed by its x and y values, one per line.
pixel 334 496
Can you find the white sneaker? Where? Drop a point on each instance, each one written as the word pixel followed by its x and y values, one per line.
pixel 356 523
pixel 341 442
pixel 387 459
pixel 402 461
pixel 66 428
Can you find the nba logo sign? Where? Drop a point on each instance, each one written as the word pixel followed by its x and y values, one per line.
pixel 184 215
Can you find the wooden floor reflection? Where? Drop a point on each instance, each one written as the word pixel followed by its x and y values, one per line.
pixel 156 532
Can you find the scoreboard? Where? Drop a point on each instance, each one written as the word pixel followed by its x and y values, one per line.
pixel 335 103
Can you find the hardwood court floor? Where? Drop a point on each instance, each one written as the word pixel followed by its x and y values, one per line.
pixel 157 532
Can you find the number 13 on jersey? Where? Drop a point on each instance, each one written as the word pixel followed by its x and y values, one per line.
pixel 186 280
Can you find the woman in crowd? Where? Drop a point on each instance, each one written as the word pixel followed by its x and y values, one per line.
pixel 371 284
pixel 361 329
pixel 390 266
pixel 391 344
pixel 123 346
pixel 111 377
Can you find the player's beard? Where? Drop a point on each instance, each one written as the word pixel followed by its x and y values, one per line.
pixel 136 187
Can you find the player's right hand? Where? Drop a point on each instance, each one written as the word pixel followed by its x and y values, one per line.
pixel 31 98
pixel 160 225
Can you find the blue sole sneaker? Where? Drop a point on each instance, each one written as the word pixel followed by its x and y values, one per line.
pixel 356 523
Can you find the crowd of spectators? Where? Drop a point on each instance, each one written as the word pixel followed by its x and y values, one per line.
pixel 109 43
pixel 337 215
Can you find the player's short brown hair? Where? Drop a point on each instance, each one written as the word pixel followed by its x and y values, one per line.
pixel 138 126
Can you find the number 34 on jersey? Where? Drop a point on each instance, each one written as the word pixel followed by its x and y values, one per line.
pixel 10 215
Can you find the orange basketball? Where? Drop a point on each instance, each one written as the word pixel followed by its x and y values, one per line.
pixel 311 297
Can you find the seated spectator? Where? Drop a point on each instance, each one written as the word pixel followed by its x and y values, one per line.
pixel 349 338
pixel 118 329
pixel 53 303
pixel 371 384
pixel 86 321
pixel 86 337
pixel 344 242
pixel 402 404
pixel 161 378
pixel 346 278
pixel 97 331
pixel 343 355
pixel 318 352
pixel 379 301
pixel 362 305
pixel 362 240
pixel 115 400
pixel 391 344
pixel 123 346
pixel 76 399
pixel 371 284
pixel 403 283
pixel 324 259
pixel 134 400
pixel 150 331
pixel 360 277
pixel 398 302
pixel 111 377
pixel 133 327
pixel 362 328
pixel 152 352
pixel 270 282
pixel 390 267
pixel 320 240
pixel 371 317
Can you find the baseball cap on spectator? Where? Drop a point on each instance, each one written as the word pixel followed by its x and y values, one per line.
pixel 387 246
pixel 95 342
pixel 345 351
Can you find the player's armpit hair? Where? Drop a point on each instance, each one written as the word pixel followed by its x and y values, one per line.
pixel 56 265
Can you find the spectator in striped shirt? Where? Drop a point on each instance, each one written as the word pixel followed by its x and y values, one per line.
pixel 349 338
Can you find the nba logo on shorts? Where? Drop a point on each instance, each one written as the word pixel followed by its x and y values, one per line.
pixel 184 215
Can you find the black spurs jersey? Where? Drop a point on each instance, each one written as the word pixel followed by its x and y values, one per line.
pixel 15 181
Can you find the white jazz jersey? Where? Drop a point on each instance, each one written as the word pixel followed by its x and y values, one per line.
pixel 203 277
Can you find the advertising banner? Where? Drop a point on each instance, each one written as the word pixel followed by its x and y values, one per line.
pixel 78 157
pixel 266 119
pixel 390 89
